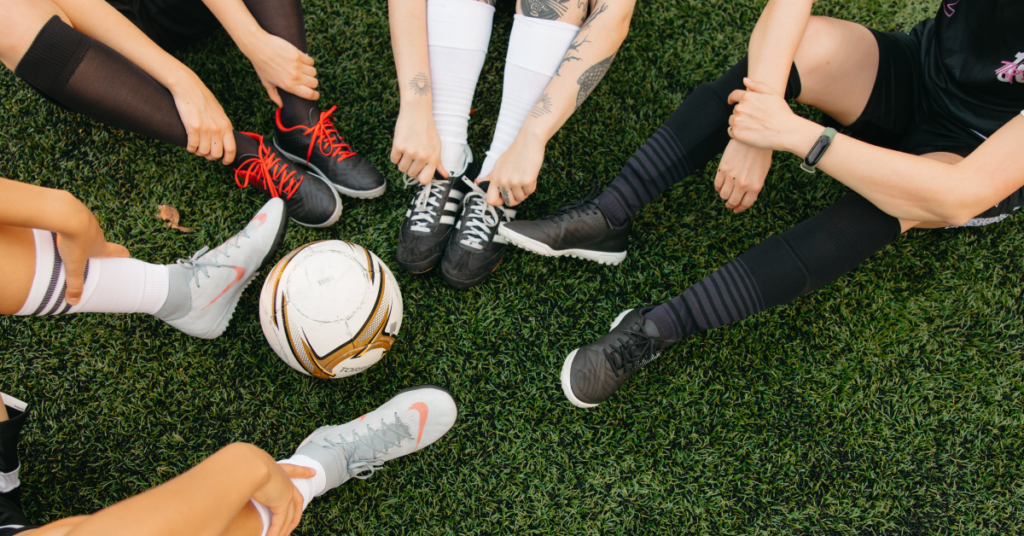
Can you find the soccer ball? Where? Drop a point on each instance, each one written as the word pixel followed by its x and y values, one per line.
pixel 330 309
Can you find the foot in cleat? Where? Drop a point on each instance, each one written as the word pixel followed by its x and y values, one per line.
pixel 577 229
pixel 318 145
pixel 311 201
pixel 475 249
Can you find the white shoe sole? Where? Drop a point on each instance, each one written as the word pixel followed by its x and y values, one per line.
pixel 567 367
pixel 359 194
pixel 540 248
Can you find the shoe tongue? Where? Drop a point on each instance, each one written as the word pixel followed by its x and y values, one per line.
pixel 651 330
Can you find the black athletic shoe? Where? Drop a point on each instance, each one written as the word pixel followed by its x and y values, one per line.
pixel 328 156
pixel 475 249
pixel 310 200
pixel 594 372
pixel 430 220
pixel 10 434
pixel 577 229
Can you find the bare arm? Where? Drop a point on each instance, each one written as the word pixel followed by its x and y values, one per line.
pixel 278 63
pixel 904 186
pixel 204 501
pixel 587 61
pixel 416 148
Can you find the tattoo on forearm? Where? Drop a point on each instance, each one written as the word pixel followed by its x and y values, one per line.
pixel 420 85
pixel 597 12
pixel 570 55
pixel 544 9
pixel 543 106
pixel 589 79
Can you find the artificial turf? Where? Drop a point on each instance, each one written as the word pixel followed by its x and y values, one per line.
pixel 886 403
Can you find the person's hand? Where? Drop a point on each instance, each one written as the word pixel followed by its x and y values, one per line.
pixel 82 242
pixel 280 65
pixel 283 498
pixel 416 148
pixel 209 130
pixel 514 177
pixel 741 175
pixel 761 118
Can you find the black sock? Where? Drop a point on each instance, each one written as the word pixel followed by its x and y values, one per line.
pixel 778 270
pixel 96 81
pixel 244 146
pixel 694 134
pixel 284 19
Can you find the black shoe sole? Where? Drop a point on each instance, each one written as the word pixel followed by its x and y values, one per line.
pixel 466 285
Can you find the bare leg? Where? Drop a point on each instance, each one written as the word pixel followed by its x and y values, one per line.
pixel 838 63
pixel 18 265
pixel 20 25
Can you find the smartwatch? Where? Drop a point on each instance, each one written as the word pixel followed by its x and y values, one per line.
pixel 810 163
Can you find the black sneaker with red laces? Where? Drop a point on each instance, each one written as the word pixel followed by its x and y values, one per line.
pixel 311 201
pixel 319 146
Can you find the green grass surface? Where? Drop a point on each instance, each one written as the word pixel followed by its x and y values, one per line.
pixel 887 403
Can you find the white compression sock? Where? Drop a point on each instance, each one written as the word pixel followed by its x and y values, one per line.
pixel 535 50
pixel 458 32
pixel 111 285
pixel 308 487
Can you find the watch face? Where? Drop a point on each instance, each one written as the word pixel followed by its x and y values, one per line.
pixel 818 150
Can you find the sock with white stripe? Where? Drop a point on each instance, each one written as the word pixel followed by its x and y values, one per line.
pixel 458 32
pixel 783 267
pixel 308 487
pixel 694 134
pixel 535 50
pixel 112 285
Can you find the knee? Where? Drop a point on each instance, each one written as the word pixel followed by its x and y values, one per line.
pixel 817 48
pixel 20 25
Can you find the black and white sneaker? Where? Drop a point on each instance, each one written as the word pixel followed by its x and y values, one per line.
pixel 430 219
pixel 11 516
pixel 577 229
pixel 476 248
pixel 594 372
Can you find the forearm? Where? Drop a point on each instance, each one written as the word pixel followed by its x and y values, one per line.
pixel 35 207
pixel 238 22
pixel 201 502
pixel 99 20
pixel 775 39
pixel 587 61
pixel 916 188
pixel 408 22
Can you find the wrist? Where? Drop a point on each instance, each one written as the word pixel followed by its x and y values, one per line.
pixel 178 78
pixel 534 136
pixel 802 137
pixel 249 38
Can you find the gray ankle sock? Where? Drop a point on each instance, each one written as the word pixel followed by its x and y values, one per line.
pixel 179 299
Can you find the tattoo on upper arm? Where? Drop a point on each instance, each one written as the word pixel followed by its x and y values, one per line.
pixel 420 84
pixel 570 55
pixel 589 79
pixel 543 106
pixel 597 12
pixel 544 9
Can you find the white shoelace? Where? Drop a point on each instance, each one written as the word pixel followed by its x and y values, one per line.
pixel 362 450
pixel 197 266
pixel 428 203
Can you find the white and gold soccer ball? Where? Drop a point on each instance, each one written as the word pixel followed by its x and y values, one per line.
pixel 330 309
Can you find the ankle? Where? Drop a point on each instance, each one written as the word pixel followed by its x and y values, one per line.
pixel 612 211
pixel 179 299
pixel 296 111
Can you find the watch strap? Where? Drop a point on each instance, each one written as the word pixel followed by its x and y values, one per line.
pixel 810 163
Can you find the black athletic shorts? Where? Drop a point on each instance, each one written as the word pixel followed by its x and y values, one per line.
pixel 899 116
pixel 171 24
pixel 12 521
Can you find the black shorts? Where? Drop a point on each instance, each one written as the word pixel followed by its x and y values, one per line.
pixel 171 24
pixel 12 520
pixel 899 116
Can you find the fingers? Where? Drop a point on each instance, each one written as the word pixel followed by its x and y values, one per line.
pixel 518 195
pixel 494 195
pixel 306 59
pixel 736 96
pixel 443 172
pixel 728 184
pixel 229 147
pixel 426 175
pixel 74 273
pixel 114 250
pixel 193 139
pixel 748 201
pixel 405 162
pixel 719 179
pixel 735 196
pixel 308 70
pixel 296 512
pixel 297 471
pixel 758 87
pixel 273 94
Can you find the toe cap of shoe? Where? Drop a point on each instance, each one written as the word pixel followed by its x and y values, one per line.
pixel 315 203
pixel 356 173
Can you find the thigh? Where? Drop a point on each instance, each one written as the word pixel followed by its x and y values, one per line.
pixel 173 24
pixel 20 24
pixel 838 63
pixel 17 266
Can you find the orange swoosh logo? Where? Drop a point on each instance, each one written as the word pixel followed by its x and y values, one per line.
pixel 239 275
pixel 261 217
pixel 421 408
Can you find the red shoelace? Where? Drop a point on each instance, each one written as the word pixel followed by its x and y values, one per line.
pixel 267 171
pixel 327 138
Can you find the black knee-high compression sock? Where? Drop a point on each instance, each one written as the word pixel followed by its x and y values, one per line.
pixel 694 134
pixel 807 257
pixel 93 79
pixel 284 19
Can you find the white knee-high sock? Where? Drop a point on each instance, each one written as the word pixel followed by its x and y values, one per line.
pixel 111 285
pixel 535 50
pixel 308 487
pixel 458 32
